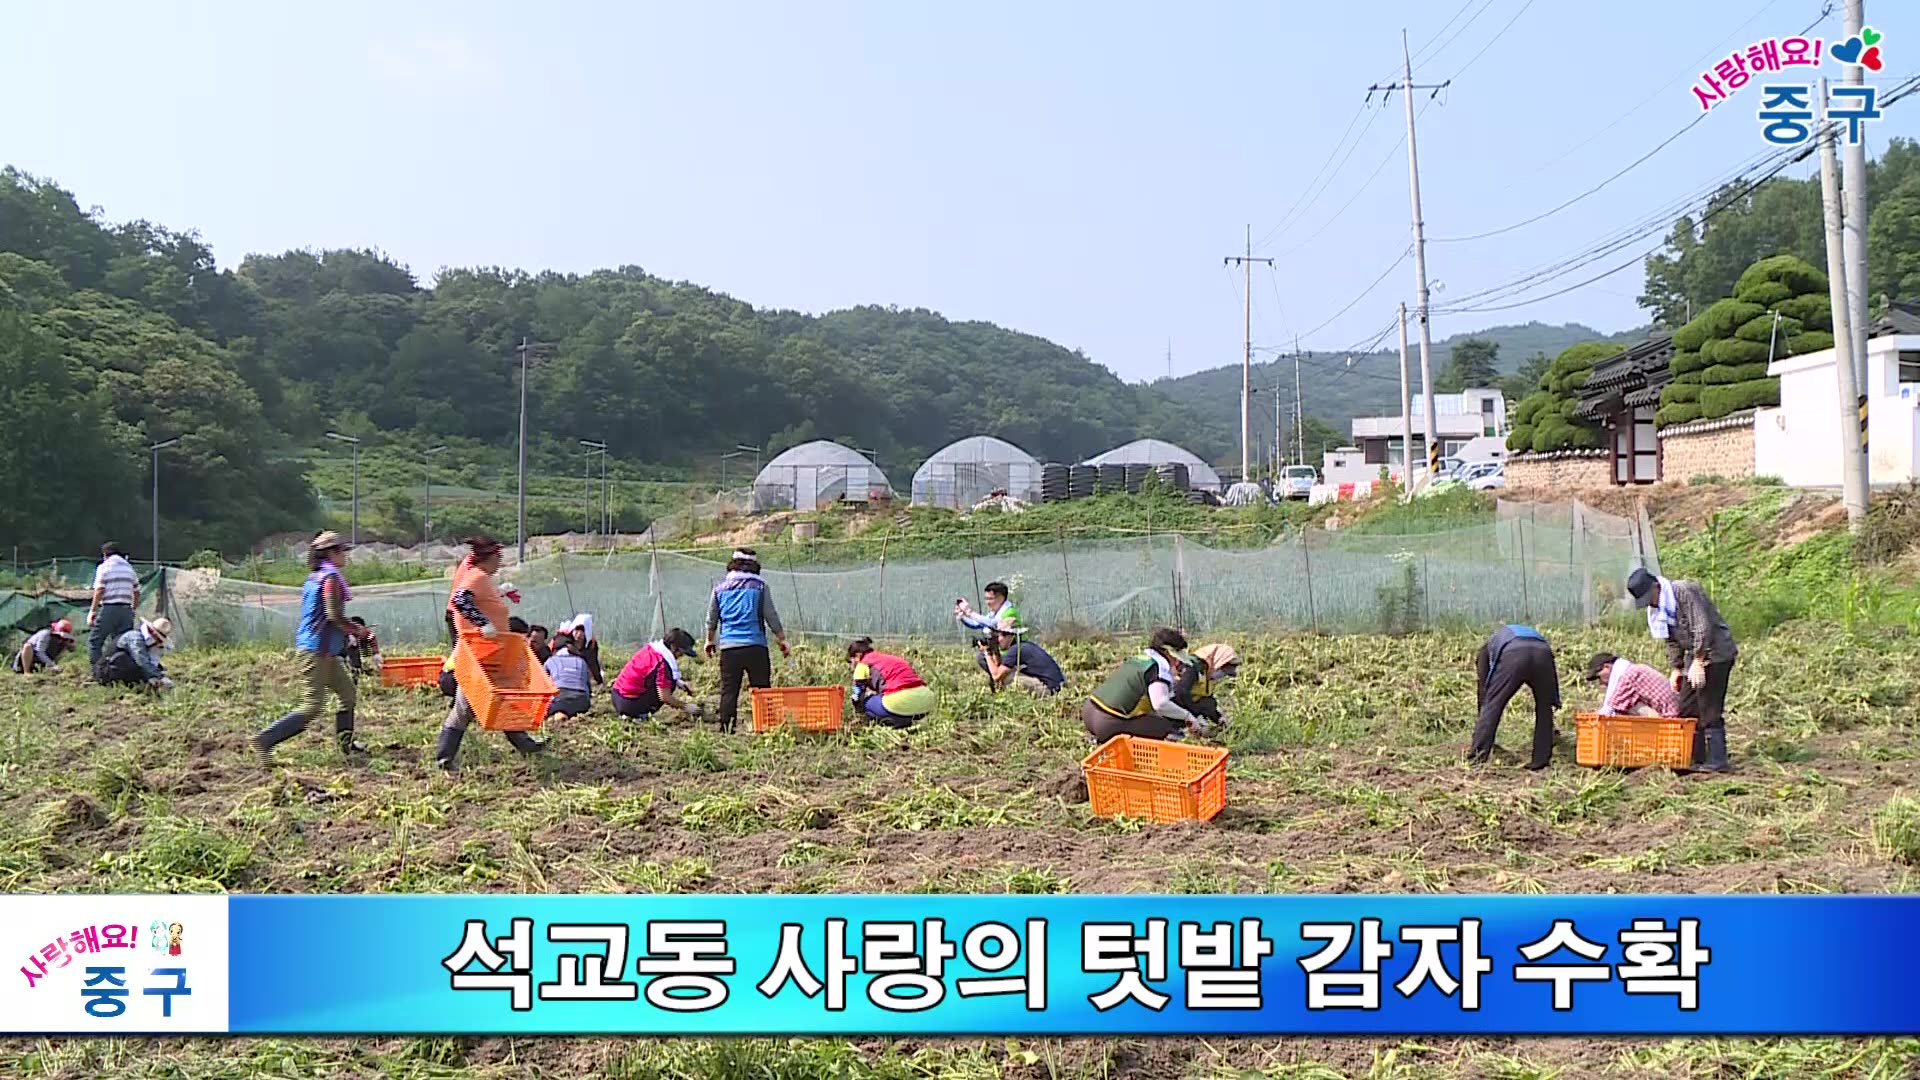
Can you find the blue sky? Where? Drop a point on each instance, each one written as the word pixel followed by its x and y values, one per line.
pixel 1074 170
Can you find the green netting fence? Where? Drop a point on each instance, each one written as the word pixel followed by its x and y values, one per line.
pixel 1553 565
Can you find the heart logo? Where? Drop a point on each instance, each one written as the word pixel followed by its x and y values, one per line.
pixel 1869 36
pixel 1848 51
pixel 1871 59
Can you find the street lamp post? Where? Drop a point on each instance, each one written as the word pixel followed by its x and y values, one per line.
pixel 155 451
pixel 426 492
pixel 337 437
pixel 527 350
pixel 587 475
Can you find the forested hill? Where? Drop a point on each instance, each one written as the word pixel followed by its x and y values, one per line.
pixel 1336 391
pixel 132 334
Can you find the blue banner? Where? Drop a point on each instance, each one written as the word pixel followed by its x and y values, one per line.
pixel 978 965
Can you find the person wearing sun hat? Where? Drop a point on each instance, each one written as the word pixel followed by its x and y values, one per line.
pixel 44 648
pixel 1700 652
pixel 1201 673
pixel 477 604
pixel 134 659
pixel 320 641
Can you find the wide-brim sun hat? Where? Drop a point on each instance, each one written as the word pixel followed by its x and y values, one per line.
pixel 161 628
pixel 329 541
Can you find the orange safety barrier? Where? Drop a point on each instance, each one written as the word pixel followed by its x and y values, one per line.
pixel 806 708
pixel 504 684
pixel 1630 742
pixel 1155 780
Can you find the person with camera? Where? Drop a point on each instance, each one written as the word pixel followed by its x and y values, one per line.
pixel 1014 661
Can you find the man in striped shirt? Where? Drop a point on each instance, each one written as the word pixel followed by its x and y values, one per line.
pixel 116 592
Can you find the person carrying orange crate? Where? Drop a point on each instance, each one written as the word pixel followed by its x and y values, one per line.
pixel 477 605
pixel 886 688
pixel 1701 652
pixel 1138 699
pixel 1515 656
pixel 739 615
pixel 320 640
pixel 651 679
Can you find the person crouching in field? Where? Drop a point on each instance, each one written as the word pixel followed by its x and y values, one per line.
pixel 320 642
pixel 572 683
pixel 134 657
pixel 477 605
pixel 1137 699
pixel 1515 656
pixel 1631 689
pixel 1021 663
pixel 585 645
pixel 1201 674
pixel 652 679
pixel 885 686
pixel 44 648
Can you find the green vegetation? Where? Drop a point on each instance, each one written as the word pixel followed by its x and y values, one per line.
pixel 1544 420
pixel 1780 307
pixel 124 335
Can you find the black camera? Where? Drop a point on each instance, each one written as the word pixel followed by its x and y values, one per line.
pixel 985 642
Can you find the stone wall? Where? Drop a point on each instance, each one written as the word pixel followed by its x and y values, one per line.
pixel 1721 447
pixel 1563 470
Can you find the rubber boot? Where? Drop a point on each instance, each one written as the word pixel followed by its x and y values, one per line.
pixel 447 752
pixel 343 733
pixel 1716 760
pixel 526 743
pixel 277 732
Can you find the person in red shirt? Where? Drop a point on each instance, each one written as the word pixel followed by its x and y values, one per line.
pixel 652 679
pixel 885 686
pixel 1632 689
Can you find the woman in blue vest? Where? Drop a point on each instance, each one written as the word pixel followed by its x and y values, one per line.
pixel 320 641
pixel 738 618
pixel 1513 657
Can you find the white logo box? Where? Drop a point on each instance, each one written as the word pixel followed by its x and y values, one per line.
pixel 47 943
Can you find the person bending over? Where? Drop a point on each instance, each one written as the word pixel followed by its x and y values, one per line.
pixel 652 679
pixel 1137 699
pixel 885 686
pixel 1021 663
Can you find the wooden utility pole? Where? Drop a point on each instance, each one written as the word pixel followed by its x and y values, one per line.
pixel 1853 458
pixel 1246 357
pixel 1425 310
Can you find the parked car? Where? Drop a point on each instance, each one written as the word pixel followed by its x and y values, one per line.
pixel 1493 475
pixel 1296 482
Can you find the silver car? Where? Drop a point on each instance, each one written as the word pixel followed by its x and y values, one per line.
pixel 1296 482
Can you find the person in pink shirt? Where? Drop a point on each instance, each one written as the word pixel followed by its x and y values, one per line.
pixel 1632 689
pixel 652 678
pixel 885 686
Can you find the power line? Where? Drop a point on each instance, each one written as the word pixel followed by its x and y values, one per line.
pixel 1496 37
pixel 1363 293
pixel 1643 159
pixel 1456 34
pixel 1338 143
pixel 1357 192
pixel 1313 195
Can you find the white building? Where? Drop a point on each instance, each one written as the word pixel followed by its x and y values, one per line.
pixel 1799 441
pixel 1381 440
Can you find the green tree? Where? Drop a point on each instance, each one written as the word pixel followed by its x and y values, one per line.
pixel 1525 381
pixel 1472 362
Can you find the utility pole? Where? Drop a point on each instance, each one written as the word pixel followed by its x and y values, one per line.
pixel 1419 248
pixel 1853 184
pixel 593 448
pixel 527 350
pixel 1277 444
pixel 155 451
pixel 1246 357
pixel 1853 459
pixel 1406 412
pixel 1299 411
pixel 426 495
pixel 337 437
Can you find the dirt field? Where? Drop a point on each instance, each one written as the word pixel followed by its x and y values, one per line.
pixel 1346 776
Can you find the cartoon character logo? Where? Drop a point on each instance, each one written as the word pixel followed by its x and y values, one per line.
pixel 1861 50
pixel 173 939
pixel 157 936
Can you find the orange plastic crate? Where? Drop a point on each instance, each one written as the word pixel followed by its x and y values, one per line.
pixel 1630 742
pixel 807 708
pixel 411 670
pixel 1155 780
pixel 504 684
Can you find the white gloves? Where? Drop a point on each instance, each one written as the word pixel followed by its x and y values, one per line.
pixel 696 710
pixel 1697 674
pixel 490 631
